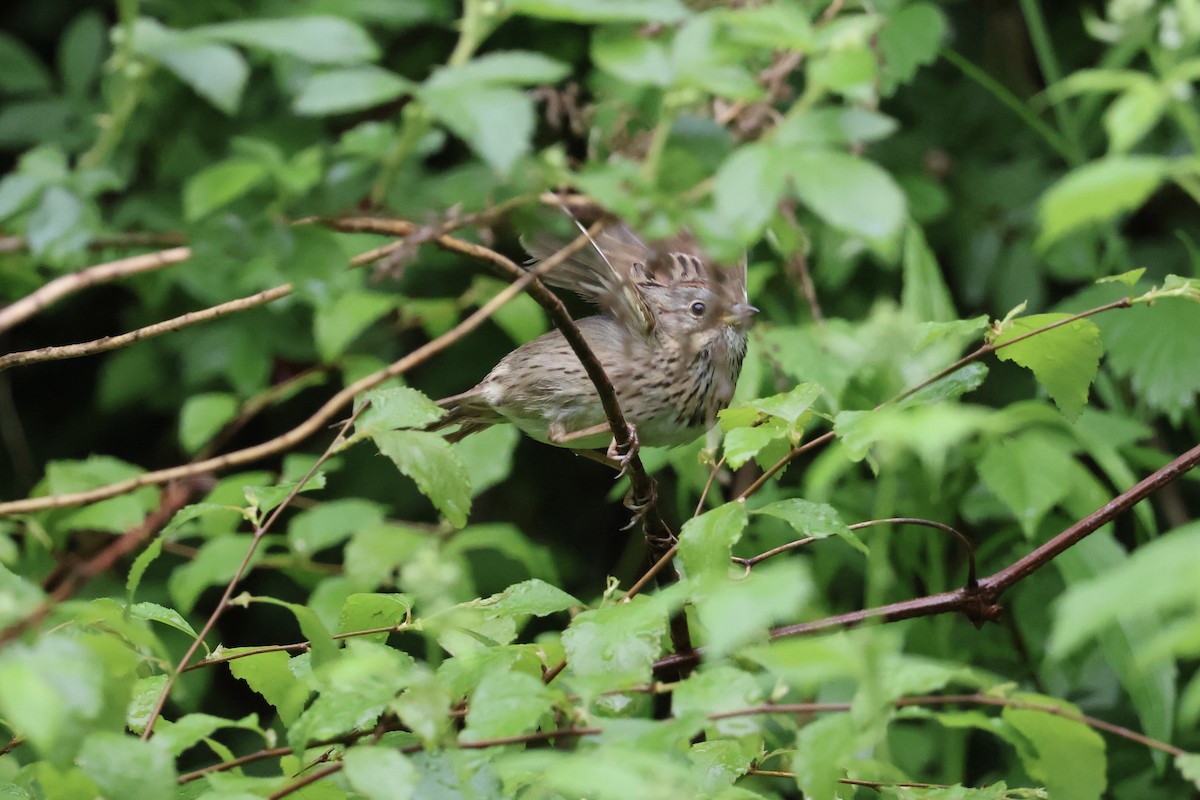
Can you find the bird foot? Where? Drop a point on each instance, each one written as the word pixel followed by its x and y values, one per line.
pixel 622 456
pixel 639 509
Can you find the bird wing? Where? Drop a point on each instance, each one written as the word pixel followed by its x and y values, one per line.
pixel 607 273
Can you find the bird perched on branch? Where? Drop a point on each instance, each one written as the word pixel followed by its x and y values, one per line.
pixel 671 338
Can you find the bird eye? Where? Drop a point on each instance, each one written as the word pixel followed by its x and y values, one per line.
pixel 697 309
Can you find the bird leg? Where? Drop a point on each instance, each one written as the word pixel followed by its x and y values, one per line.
pixel 616 456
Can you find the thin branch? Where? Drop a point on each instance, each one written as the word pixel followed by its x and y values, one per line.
pixel 223 603
pixel 58 288
pixel 750 711
pixel 300 647
pixel 15 244
pixel 148 332
pixel 980 604
pixel 323 415
pixel 751 562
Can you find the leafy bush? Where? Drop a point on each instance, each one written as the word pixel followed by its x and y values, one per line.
pixel 212 585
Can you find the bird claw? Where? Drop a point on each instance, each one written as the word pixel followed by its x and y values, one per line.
pixel 622 456
pixel 639 509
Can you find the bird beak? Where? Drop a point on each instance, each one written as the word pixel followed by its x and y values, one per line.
pixel 740 315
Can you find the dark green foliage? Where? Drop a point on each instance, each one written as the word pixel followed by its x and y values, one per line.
pixel 409 618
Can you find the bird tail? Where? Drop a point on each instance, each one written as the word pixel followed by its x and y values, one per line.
pixel 467 410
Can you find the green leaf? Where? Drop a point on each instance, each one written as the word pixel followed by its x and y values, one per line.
pixel 716 689
pixel 1153 349
pixel 1153 579
pixel 506 704
pixel 338 323
pixel 141 564
pixel 215 563
pixel 1129 278
pixel 488 456
pixel 706 541
pixel 331 523
pixel 1066 756
pixel 341 91
pixel 504 67
pixel 81 52
pixel 1064 359
pixel 747 189
pixel 1088 81
pixel 1188 765
pixel 1098 192
pixel 167 616
pixel 823 748
pixel 58 228
pixel 533 596
pixel 909 39
pixel 203 416
pixel 265 498
pixel 1128 645
pixel 784 27
pixel 791 406
pixel 380 773
pixel 952 386
pixel 736 612
pixel 321 646
pixel 742 444
pixel 495 121
pixel 17 192
pixel 433 465
pixel 142 701
pixel 634 59
pixel 189 729
pixel 849 193
pixel 216 72
pixel 366 611
pixel 665 11
pixel 315 39
pixel 1027 472
pixel 397 407
pixel 1133 114
pixel 818 520
pixel 219 185
pixel 53 694
pixel 124 766
pixel 615 646
pixel 20 68
pixel 926 294
pixel 270 675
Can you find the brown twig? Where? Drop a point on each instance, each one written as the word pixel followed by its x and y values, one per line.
pixel 980 604
pixel 760 710
pixel 58 288
pixel 15 244
pixel 318 420
pixel 107 343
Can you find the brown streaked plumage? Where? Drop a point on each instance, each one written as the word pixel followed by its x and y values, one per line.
pixel 671 339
